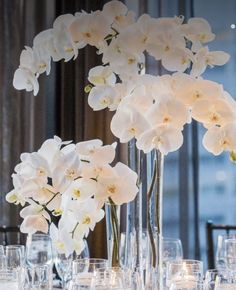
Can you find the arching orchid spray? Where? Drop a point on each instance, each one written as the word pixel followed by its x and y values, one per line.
pixel 152 109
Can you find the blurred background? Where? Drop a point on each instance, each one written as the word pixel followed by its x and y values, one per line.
pixel 198 186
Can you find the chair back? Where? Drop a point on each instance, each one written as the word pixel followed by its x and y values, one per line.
pixel 210 229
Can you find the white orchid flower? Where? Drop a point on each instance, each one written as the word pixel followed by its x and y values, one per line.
pixel 50 149
pixel 94 151
pixel 44 47
pixel 66 168
pixel 217 112
pixel 165 39
pixel 101 97
pixel 34 62
pixel 121 61
pixel 138 99
pixel 198 31
pixel 88 215
pixel 24 79
pixel 164 138
pixel 119 15
pixel 82 189
pixel 193 90
pixel 90 28
pixel 34 223
pixel 121 187
pixel 101 75
pixel 115 9
pixel 128 123
pixel 204 58
pixel 35 219
pixel 62 40
pixel 122 90
pixel 168 111
pixel 219 139
pixel 177 59
pixel 27 60
pixel 15 197
pixel 61 239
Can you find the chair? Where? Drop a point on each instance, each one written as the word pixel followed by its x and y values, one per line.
pixel 210 228
pixel 11 235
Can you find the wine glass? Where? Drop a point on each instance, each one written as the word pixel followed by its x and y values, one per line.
pixel 39 250
pixel 171 251
pixel 230 254
pixel 63 264
pixel 220 251
pixel 13 257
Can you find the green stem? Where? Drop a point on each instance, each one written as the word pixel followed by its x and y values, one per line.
pixel 150 230
pixel 116 235
pixel 50 200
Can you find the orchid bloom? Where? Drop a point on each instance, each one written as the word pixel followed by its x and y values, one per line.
pixel 163 137
pixel 204 58
pixel 219 139
pixel 128 123
pixel 24 79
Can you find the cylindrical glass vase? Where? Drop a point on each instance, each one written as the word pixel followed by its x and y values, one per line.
pixel 144 218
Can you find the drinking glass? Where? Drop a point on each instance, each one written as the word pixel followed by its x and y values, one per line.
pixel 9 279
pixel 172 251
pixel 22 250
pixel 2 252
pixel 230 253
pixel 187 285
pixel 220 250
pixel 39 250
pixel 212 275
pixel 83 271
pixel 108 280
pixel 131 280
pixel 13 257
pixel 37 278
pixel 3 262
pixel 225 283
pixel 184 270
pixel 63 266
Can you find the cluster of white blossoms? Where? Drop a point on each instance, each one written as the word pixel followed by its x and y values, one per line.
pixel 72 181
pixel 153 109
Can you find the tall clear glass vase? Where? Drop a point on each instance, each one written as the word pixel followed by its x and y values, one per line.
pixel 143 239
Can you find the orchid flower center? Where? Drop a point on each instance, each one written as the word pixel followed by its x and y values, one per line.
pixel 86 220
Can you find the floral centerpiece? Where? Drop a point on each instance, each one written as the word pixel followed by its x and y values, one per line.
pixel 72 181
pixel 152 110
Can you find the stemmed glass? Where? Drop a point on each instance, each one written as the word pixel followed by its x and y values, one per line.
pixel 39 250
pixel 63 264
pixel 230 254
pixel 172 251
pixel 220 251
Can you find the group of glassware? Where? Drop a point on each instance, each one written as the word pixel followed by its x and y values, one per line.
pixel 30 268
